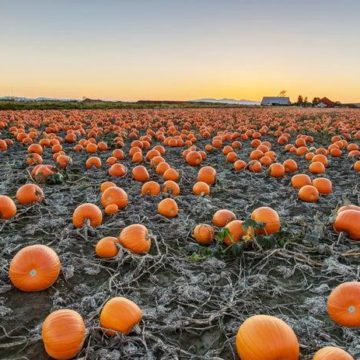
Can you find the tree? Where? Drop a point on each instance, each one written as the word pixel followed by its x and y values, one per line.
pixel 315 101
pixel 300 100
pixel 305 101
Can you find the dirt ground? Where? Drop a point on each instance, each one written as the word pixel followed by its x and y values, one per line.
pixel 193 301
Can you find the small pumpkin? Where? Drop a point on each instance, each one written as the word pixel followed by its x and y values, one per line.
pixel 140 173
pixel 135 238
pixel 34 268
pixel 332 353
pixel 151 188
pixel 63 333
pixel 236 232
pixel 300 180
pixel 343 304
pixel 171 187
pixel 106 247
pixel 222 217
pixel 264 337
pixel 269 218
pixel 7 207
pixel 29 193
pixel 86 212
pixel 120 314
pixel 201 188
pixel 308 193
pixel 277 170
pixel 323 185
pixel 168 208
pixel 204 234
pixel 207 174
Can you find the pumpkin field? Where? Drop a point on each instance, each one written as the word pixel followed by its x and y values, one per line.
pixel 209 233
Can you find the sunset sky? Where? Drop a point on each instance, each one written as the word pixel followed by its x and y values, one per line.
pixel 180 49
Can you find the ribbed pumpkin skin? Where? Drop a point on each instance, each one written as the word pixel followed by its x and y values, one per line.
pixel 135 238
pixel 7 207
pixel 332 353
pixel 34 268
pixel 263 337
pixel 269 217
pixel 114 195
pixel 63 333
pixel 343 305
pixel 85 212
pixel 120 314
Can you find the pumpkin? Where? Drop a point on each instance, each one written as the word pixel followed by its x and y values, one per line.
pixel 201 188
pixel 332 353
pixel 135 238
pixel 151 188
pixel 276 170
pixel 239 165
pixel 308 193
pixel 264 337
pixel 162 167
pixel 236 232
pixel 111 209
pixel 254 166
pixel 323 185
pixel 171 174
pixel 269 218
pixel 194 158
pixel 290 165
pixel 34 268
pixel 204 234
pixel 207 174
pixel 171 187
pixel 222 217
pixel 86 212
pixel 168 208
pixel 106 247
pixel 105 185
pixel 117 170
pixel 120 314
pixel 356 166
pixel 317 167
pixel 7 207
pixel 299 180
pixel 348 220
pixel 63 333
pixel 343 304
pixel 140 173
pixel 93 161
pixel 29 193
pixel 114 195
pixel 348 207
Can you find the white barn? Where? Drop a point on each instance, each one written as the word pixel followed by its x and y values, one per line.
pixel 275 100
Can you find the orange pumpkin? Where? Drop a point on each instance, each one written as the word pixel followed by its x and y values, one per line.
pixel 171 187
pixel 117 170
pixel 34 268
pixel 140 173
pixel 63 333
pixel 299 180
pixel 323 185
pixel 106 247
pixel 332 353
pixel 236 232
pixel 308 193
pixel 111 209
pixel 135 238
pixel 290 165
pixel 171 174
pixel 317 167
pixel 168 208
pixel 151 188
pixel 194 158
pixel 87 212
pixel 29 193
pixel 223 217
pixel 201 188
pixel 263 337
pixel 207 174
pixel 343 304
pixel 114 195
pixel 269 218
pixel 348 220
pixel 204 234
pixel 276 170
pixel 7 207
pixel 120 315
pixel 105 185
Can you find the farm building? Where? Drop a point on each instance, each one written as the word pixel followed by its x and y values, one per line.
pixel 325 103
pixel 275 100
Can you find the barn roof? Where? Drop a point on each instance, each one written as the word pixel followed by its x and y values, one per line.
pixel 275 100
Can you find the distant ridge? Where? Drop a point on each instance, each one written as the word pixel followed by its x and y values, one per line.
pixel 228 101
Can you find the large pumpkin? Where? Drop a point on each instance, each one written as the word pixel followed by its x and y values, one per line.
pixel 120 314
pixel 29 193
pixel 263 337
pixel 87 212
pixel 348 220
pixel 332 353
pixel 7 207
pixel 114 195
pixel 135 238
pixel 343 305
pixel 63 333
pixel 34 268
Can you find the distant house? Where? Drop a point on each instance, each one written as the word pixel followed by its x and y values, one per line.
pixel 275 100
pixel 325 103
